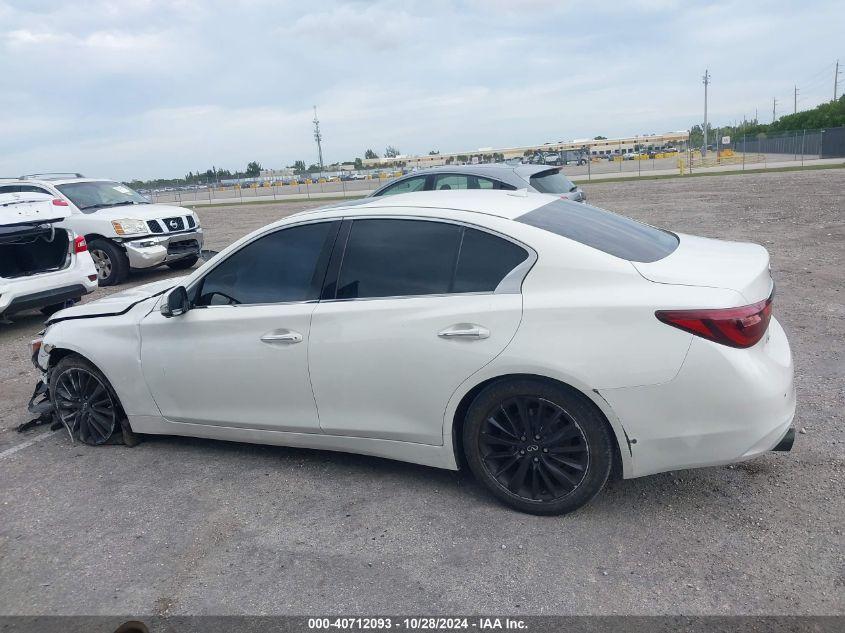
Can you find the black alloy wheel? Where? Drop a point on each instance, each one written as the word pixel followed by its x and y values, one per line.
pixel 84 402
pixel 539 446
pixel 534 448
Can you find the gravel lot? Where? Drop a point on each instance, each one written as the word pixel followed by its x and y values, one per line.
pixel 183 526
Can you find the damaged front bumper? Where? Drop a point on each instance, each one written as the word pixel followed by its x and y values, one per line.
pixel 154 250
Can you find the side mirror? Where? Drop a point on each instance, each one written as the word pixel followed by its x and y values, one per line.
pixel 177 302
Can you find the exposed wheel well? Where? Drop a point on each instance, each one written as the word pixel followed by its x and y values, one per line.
pixel 466 401
pixel 58 353
pixel 97 236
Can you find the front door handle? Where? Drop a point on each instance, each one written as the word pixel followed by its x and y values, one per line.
pixel 465 330
pixel 282 336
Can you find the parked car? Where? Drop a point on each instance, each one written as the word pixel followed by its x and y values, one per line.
pixel 536 178
pixel 42 266
pixel 544 341
pixel 124 230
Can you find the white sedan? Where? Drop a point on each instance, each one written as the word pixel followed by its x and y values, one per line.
pixel 543 342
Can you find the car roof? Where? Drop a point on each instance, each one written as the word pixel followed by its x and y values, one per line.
pixel 490 169
pixel 37 179
pixel 502 204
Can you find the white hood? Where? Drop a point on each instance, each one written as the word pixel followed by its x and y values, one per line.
pixel 118 303
pixel 139 212
pixel 30 208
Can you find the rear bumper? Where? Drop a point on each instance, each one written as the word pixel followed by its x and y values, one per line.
pixel 725 405
pixel 43 298
pixel 154 250
pixel 38 291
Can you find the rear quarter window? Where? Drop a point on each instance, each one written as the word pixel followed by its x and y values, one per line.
pixel 605 231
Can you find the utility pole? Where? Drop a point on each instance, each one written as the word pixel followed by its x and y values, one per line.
pixel 706 81
pixel 319 138
pixel 795 101
pixel 774 108
pixel 836 81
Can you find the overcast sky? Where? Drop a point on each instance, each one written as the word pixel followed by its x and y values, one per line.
pixel 141 88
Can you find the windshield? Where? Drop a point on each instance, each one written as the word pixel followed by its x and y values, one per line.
pixel 552 181
pixel 90 196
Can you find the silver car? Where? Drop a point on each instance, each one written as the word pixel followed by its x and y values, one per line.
pixel 539 178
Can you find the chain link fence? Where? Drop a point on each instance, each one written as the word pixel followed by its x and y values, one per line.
pixel 627 160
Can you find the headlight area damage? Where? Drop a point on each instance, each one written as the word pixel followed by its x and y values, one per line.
pixel 73 411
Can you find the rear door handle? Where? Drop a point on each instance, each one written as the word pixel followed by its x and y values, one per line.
pixel 465 330
pixel 284 337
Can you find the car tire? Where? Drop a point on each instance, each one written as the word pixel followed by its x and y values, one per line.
pixel 539 447
pixel 182 264
pixel 84 400
pixel 52 309
pixel 110 260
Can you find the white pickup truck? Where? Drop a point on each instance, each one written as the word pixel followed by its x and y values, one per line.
pixel 123 229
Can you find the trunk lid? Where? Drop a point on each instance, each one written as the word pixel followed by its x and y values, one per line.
pixel 29 209
pixel 700 261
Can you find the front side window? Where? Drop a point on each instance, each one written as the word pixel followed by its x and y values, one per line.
pixel 461 181
pixel 552 181
pixel 394 258
pixel 284 266
pixel 405 186
pixel 101 194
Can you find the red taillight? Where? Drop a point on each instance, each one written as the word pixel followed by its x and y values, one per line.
pixel 59 203
pixel 80 245
pixel 736 327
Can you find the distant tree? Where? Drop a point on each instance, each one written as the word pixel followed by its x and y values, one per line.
pixel 391 152
pixel 253 169
pixel 450 160
pixel 370 154
pixel 599 138
pixel 298 166
pixel 434 152
pixel 359 164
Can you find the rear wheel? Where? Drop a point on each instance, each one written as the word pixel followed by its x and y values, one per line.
pixel 52 309
pixel 539 447
pixel 110 260
pixel 182 264
pixel 84 400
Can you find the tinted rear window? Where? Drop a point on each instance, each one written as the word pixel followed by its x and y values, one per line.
pixel 551 181
pixel 608 232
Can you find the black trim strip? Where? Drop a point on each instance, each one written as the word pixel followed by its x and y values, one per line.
pixel 330 282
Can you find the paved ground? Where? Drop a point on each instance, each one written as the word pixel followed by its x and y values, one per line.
pixel 201 527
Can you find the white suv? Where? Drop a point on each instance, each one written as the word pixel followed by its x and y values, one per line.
pixel 41 266
pixel 124 230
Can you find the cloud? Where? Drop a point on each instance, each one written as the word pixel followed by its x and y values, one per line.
pixel 142 88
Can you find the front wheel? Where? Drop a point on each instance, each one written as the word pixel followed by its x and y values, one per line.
pixel 110 260
pixel 182 264
pixel 539 447
pixel 84 400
